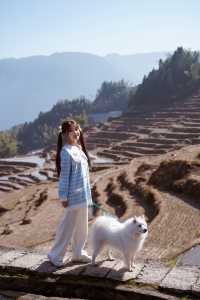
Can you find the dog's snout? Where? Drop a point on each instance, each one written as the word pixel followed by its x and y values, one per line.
pixel 144 230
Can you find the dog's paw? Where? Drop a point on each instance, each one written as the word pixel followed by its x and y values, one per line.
pixel 130 269
pixel 133 265
pixel 111 258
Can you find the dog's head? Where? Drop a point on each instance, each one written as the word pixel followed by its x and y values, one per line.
pixel 140 225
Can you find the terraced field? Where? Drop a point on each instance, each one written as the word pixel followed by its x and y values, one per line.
pixel 15 175
pixel 143 132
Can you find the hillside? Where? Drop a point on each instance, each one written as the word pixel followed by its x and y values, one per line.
pixel 43 130
pixel 155 172
pixel 31 212
pixel 33 84
pixel 145 132
pixel 177 77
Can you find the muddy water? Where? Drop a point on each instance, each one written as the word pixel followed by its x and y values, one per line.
pixel 27 158
pixel 34 157
pixel 102 160
pixel 191 257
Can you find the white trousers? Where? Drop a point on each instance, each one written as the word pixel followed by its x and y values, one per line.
pixel 73 227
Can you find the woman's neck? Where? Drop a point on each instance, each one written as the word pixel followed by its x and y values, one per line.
pixel 73 144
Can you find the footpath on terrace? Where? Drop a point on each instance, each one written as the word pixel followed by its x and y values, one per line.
pixel 31 272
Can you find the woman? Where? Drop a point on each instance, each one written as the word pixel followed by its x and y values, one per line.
pixel 74 193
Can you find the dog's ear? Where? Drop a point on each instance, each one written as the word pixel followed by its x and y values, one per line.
pixel 143 217
pixel 134 219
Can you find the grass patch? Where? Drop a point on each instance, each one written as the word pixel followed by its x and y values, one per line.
pixel 172 262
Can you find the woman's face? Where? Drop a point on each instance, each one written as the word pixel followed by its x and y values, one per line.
pixel 73 135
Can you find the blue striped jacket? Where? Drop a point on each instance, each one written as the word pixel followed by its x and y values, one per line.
pixel 74 183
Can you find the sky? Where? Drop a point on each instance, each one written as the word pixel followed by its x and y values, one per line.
pixel 43 27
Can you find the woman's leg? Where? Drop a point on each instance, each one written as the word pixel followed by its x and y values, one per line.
pixel 63 235
pixel 80 232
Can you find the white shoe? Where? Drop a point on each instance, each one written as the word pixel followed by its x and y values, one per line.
pixel 57 264
pixel 83 258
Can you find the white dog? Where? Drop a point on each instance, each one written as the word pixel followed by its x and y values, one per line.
pixel 127 237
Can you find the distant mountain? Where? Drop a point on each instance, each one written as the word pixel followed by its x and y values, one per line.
pixel 33 84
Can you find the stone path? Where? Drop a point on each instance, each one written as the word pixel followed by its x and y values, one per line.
pixel 31 272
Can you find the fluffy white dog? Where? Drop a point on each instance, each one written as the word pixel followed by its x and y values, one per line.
pixel 127 237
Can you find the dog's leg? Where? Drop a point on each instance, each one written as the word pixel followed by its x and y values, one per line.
pixel 97 249
pixel 132 261
pixel 127 261
pixel 109 253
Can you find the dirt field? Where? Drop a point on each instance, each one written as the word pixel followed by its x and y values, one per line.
pixel 29 217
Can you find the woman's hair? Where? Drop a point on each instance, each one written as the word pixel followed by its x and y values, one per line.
pixel 67 126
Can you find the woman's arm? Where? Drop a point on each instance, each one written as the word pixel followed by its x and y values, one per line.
pixel 64 176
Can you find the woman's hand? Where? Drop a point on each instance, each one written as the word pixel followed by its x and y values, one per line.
pixel 64 203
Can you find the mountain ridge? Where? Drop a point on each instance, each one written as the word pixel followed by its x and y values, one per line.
pixel 32 84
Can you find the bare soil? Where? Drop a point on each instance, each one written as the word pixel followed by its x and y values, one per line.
pixel 30 216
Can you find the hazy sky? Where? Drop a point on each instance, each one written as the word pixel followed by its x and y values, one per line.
pixel 32 27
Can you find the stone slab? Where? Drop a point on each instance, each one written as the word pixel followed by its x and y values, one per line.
pixel 181 278
pixel 6 295
pixel 29 261
pixel 196 286
pixel 3 250
pixel 45 267
pixel 99 270
pixel 7 257
pixel 71 269
pixel 152 273
pixel 141 294
pixel 121 274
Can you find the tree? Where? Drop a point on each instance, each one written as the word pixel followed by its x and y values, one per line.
pixel 111 96
pixel 176 78
pixel 8 145
pixel 44 129
pixel 82 119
